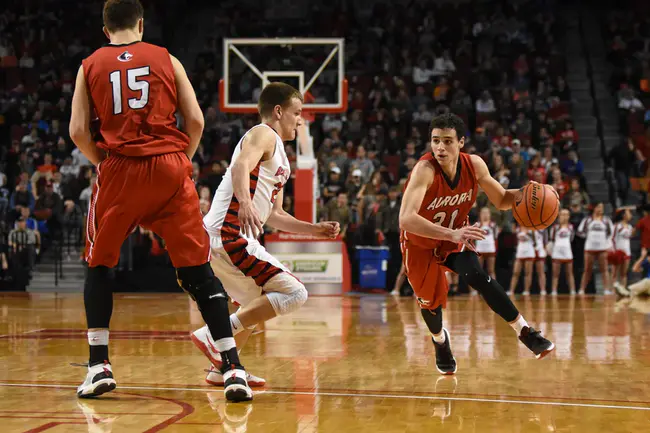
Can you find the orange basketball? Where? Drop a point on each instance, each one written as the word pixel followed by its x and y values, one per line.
pixel 538 206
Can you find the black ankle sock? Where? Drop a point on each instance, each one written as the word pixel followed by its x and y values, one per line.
pixel 230 358
pixel 98 354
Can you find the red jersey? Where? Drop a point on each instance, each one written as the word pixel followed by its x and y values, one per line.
pixel 133 91
pixel 447 202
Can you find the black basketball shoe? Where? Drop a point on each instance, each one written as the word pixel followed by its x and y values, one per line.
pixel 534 340
pixel 235 386
pixel 445 361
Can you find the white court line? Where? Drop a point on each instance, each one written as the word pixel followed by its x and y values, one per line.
pixel 342 394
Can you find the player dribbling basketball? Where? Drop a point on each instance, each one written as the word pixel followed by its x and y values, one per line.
pixel 439 194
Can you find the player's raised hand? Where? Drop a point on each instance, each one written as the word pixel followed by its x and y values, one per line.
pixel 465 235
pixel 249 221
pixel 328 229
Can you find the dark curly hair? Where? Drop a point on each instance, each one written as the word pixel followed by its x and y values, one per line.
pixel 448 121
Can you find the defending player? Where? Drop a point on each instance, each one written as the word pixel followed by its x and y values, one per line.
pixel 144 169
pixel 249 196
pixel 438 197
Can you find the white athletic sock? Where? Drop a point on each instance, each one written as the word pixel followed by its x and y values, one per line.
pixel 439 338
pixel 98 338
pixel 225 344
pixel 518 324
pixel 235 324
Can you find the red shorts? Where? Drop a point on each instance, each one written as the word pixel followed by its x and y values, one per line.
pixel 617 257
pixel 426 274
pixel 155 192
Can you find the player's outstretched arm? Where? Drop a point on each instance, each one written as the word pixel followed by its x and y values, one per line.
pixel 501 198
pixel 188 106
pixel 79 128
pixel 281 220
pixel 410 221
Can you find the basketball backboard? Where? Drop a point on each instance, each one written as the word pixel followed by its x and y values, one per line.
pixel 315 66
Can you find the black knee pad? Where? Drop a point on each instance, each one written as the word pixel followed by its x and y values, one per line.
pixel 200 283
pixel 468 266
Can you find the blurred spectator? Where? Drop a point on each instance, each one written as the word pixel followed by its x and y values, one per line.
pixel 48 207
pixel 535 168
pixel 388 226
pixel 628 101
pixel 576 198
pixel 624 159
pixel 334 185
pixel 548 159
pixel 86 193
pixel 363 163
pixel 485 104
pixel 338 210
pixel 567 139
pixel 572 166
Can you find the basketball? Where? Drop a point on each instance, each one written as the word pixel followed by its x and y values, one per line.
pixel 538 206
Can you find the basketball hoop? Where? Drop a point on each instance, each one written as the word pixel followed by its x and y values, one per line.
pixel 308 108
pixel 320 62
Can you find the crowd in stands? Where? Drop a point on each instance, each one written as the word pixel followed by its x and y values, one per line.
pixel 499 66
pixel 627 34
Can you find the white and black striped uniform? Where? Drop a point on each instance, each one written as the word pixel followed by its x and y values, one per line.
pixel 598 234
pixel 242 264
pixel 488 246
pixel 525 244
pixel 561 237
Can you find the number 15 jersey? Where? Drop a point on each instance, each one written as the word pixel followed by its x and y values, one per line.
pixel 447 202
pixel 266 180
pixel 133 92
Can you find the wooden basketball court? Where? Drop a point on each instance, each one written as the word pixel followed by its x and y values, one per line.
pixel 341 364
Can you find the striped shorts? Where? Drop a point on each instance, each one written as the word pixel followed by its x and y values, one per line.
pixel 247 270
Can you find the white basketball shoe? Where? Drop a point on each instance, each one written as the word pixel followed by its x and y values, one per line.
pixel 99 380
pixel 203 341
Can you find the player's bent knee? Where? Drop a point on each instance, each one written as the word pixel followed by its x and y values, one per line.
pixel 290 300
pixel 200 283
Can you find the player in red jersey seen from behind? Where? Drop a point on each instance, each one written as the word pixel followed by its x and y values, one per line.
pixel 436 238
pixel 144 179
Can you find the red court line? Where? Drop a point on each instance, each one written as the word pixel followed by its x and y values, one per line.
pixel 50 425
pixel 186 409
pixel 80 416
pixel 42 412
pixel 83 337
pixel 27 383
pixel 199 423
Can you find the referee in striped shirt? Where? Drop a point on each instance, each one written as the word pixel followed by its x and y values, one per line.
pixel 23 245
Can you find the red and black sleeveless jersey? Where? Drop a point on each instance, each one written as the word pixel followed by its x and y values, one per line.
pixel 133 93
pixel 447 202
